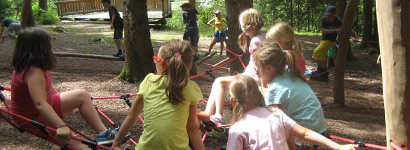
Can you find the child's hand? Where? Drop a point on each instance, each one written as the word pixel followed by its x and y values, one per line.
pixel 349 147
pixel 63 134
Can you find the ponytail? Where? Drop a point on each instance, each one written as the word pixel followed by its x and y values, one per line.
pixel 243 41
pixel 179 56
pixel 271 54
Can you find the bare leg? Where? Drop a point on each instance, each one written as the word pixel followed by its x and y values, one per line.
pixel 216 98
pixel 80 99
pixel 119 44
pixel 213 42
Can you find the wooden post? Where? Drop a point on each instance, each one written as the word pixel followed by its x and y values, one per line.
pixel 394 33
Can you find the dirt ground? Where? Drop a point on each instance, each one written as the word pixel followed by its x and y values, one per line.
pixel 362 117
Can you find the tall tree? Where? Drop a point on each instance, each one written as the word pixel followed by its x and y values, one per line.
pixel 234 9
pixel 339 95
pixel 43 5
pixel 394 21
pixel 138 41
pixel 367 22
pixel 341 9
pixel 27 18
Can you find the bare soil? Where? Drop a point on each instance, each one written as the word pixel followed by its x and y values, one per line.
pixel 362 117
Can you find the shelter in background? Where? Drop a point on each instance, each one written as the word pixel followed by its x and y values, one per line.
pixel 158 10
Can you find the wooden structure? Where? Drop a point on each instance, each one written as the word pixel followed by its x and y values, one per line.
pixel 394 35
pixel 71 7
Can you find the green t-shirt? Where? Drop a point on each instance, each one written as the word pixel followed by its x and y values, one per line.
pixel 7 21
pixel 165 123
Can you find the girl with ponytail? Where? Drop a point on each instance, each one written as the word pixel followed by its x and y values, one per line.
pixel 170 102
pixel 256 126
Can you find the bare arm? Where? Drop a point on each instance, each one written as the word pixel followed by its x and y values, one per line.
pixel 193 129
pixel 316 138
pixel 34 77
pixel 112 20
pixel 210 23
pixel 129 121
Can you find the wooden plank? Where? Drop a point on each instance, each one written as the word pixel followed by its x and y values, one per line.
pixel 221 62
pixel 205 58
pixel 104 57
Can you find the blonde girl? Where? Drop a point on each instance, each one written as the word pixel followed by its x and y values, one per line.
pixel 256 126
pixel 251 22
pixel 283 34
pixel 170 102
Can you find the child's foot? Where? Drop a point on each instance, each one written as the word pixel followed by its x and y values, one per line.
pixel 218 121
pixel 107 137
pixel 118 54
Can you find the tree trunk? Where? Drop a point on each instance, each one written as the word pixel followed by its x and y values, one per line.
pixel 234 8
pixel 138 42
pixel 367 22
pixel 341 7
pixel 375 36
pixel 394 21
pixel 339 97
pixel 27 18
pixel 43 5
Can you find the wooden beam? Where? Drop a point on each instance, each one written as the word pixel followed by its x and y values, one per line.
pixel 205 58
pixel 221 62
pixel 105 57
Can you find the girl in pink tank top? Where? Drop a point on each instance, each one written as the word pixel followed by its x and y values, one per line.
pixel 34 97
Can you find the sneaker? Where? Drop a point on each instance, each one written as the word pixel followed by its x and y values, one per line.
pixel 122 56
pixel 107 137
pixel 218 121
pixel 118 54
pixel 208 126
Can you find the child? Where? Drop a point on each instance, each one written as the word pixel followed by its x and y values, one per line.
pixel 33 96
pixel 170 102
pixel 251 22
pixel 191 32
pixel 256 126
pixel 286 87
pixel 219 34
pixel 13 27
pixel 117 25
pixel 282 33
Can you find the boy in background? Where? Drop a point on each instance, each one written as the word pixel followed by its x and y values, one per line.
pixel 117 25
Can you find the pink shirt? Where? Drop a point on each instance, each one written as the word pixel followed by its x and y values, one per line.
pixel 260 129
pixel 256 41
pixel 21 101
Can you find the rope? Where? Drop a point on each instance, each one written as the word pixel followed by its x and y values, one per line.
pixel 323 72
pixel 360 143
pixel 395 146
pixel 244 67
pixel 53 130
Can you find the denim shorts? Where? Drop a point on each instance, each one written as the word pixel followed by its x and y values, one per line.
pixel 118 33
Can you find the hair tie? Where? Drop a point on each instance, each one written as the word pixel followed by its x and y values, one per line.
pixel 284 51
pixel 177 54
pixel 244 31
pixel 294 39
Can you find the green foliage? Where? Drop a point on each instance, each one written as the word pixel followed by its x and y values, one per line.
pixel 49 16
pixel 6 8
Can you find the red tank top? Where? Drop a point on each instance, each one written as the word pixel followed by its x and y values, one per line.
pixel 21 101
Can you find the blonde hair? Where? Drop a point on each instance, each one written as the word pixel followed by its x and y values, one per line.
pixel 271 54
pixel 283 33
pixel 179 56
pixel 246 91
pixel 185 4
pixel 249 19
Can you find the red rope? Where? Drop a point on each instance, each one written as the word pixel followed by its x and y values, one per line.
pixel 111 97
pixel 48 128
pixel 395 146
pixel 244 67
pixel 354 142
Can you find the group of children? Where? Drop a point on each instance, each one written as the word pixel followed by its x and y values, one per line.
pixel 169 99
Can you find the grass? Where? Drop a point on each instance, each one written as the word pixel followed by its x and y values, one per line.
pixel 308 33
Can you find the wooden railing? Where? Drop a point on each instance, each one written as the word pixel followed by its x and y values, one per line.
pixel 86 6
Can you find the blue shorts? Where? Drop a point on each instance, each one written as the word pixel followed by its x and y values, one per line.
pixel 118 33
pixel 193 35
pixel 219 35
